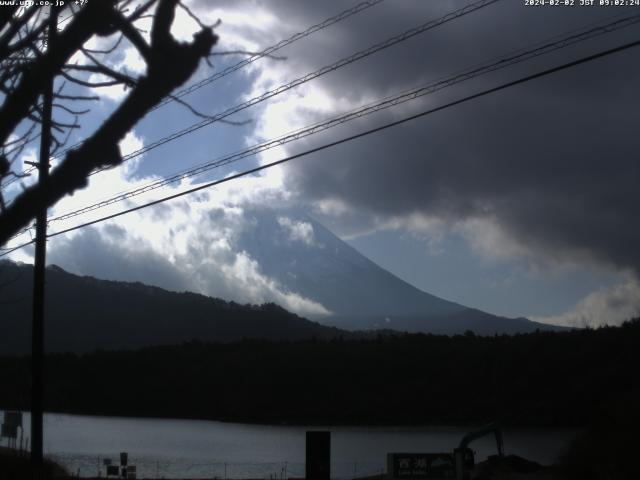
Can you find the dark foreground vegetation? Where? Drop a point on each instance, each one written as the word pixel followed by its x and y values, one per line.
pixel 584 378
pixel 608 449
pixel 14 466
pixel 546 378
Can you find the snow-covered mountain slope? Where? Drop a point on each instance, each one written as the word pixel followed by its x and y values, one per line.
pixel 306 258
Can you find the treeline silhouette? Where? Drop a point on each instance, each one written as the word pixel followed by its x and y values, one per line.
pixel 543 378
pixel 85 314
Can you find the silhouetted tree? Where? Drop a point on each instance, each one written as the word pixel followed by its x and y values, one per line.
pixel 28 64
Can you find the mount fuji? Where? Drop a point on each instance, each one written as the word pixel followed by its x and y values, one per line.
pixel 307 258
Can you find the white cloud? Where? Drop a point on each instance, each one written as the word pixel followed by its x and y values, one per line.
pixel 199 239
pixel 183 27
pixel 204 248
pixel 244 274
pixel 606 306
pixel 251 30
pixel 298 231
pixel 489 240
pixel 133 61
pixel 196 236
pixel 129 144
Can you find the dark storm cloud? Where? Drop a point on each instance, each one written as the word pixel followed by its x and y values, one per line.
pixel 553 162
pixel 460 43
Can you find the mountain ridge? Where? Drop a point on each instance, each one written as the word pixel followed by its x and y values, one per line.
pixel 85 314
pixel 125 315
pixel 294 250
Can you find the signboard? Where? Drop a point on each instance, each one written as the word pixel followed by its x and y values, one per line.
pixel 128 472
pixel 405 466
pixel 9 431
pixel 13 419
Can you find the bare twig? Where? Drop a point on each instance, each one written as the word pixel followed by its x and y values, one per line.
pixel 103 70
pixel 208 117
pixel 70 111
pixel 196 19
pixel 109 50
pixel 76 97
pixel 88 84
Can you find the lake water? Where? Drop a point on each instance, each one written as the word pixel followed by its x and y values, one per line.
pixel 164 448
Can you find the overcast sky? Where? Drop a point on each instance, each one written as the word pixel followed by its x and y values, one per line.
pixel 520 203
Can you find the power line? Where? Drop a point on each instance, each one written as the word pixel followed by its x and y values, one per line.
pixel 516 57
pixel 285 87
pixel 11 250
pixel 520 56
pixel 406 35
pixel 271 50
pixel 424 113
pixel 254 57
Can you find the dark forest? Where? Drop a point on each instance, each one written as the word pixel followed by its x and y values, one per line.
pixel 542 379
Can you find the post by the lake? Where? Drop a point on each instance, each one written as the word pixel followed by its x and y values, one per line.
pixel 318 455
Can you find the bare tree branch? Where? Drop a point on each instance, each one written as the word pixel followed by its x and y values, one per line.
pixel 169 64
pixel 103 70
pixel 107 51
pixel 89 84
pixel 86 23
pixel 134 36
pixel 76 97
pixel 69 110
pixel 16 24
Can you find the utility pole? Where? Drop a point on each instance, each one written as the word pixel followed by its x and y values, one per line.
pixel 37 332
